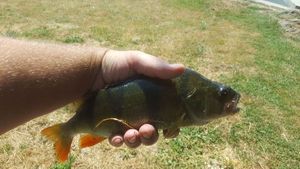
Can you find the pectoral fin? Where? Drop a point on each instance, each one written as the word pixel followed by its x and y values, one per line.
pixel 171 132
pixel 112 120
pixel 90 140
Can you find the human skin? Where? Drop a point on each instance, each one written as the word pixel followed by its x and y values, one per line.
pixel 37 78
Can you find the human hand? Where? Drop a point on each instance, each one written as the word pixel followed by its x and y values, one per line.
pixel 117 66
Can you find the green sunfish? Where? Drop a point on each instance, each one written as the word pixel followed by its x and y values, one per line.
pixel 187 100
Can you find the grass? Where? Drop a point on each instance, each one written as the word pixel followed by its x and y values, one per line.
pixel 73 39
pixel 66 165
pixel 232 42
pixel 276 87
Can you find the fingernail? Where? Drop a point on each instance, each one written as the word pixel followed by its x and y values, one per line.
pixel 132 137
pixel 117 141
pixel 177 65
pixel 147 135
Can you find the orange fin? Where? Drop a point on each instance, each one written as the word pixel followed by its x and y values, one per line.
pixel 62 141
pixel 90 140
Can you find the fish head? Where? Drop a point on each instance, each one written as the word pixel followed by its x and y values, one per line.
pixel 208 100
pixel 221 101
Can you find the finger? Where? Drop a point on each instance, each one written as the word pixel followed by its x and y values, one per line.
pixel 148 134
pixel 131 138
pixel 171 133
pixel 149 65
pixel 116 140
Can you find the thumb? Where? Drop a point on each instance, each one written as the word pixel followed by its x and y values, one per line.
pixel 152 66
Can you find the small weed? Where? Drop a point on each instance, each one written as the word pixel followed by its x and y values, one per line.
pixel 128 154
pixel 7 148
pixel 73 39
pixel 203 25
pixel 66 165
pixel 23 146
pixel 11 33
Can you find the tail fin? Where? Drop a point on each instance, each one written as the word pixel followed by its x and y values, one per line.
pixel 62 140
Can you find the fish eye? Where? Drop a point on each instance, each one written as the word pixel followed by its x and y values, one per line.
pixel 223 91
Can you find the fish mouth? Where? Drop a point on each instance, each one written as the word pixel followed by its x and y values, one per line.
pixel 231 107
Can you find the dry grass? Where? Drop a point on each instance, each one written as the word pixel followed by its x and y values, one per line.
pixel 27 148
pixel 24 147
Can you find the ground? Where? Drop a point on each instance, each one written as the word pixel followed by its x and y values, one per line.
pixel 230 41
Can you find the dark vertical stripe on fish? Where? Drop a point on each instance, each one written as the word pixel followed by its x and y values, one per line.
pixel 183 84
pixel 84 114
pixel 152 93
pixel 116 99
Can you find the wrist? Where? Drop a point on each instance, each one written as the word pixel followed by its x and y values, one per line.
pixel 97 81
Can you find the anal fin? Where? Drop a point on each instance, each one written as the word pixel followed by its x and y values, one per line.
pixel 90 140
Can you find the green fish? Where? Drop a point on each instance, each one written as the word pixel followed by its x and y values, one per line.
pixel 187 100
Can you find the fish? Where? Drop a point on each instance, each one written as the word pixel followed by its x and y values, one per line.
pixel 187 100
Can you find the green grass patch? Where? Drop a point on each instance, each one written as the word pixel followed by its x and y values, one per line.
pixel 66 165
pixel 74 39
pixel 192 4
pixel 39 33
pixel 275 84
pixel 189 147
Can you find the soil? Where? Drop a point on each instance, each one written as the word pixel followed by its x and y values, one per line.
pixel 288 19
pixel 290 22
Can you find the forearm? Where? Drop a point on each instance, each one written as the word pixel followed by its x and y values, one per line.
pixel 37 78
